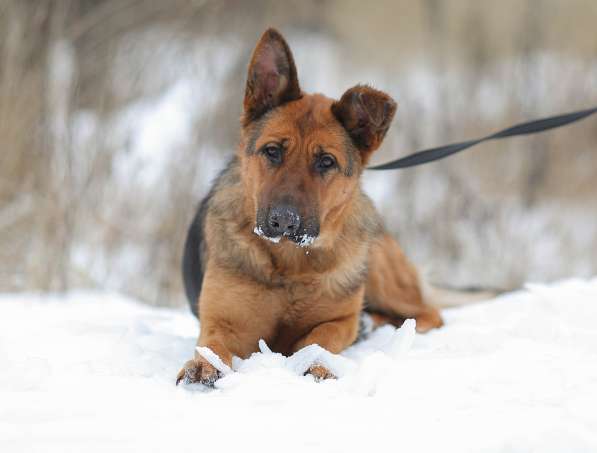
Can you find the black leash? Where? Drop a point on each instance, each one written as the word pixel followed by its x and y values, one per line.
pixel 532 127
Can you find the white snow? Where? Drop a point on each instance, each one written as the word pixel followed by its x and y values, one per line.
pixel 214 360
pixel 259 232
pixel 305 239
pixel 95 372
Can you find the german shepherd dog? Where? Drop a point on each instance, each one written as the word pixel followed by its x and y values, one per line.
pixel 286 247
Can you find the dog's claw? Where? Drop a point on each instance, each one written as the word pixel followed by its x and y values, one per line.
pixel 179 377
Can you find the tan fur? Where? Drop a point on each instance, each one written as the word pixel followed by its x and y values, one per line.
pixel 285 294
pixel 393 287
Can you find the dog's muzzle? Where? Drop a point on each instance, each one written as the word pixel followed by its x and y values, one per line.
pixel 285 221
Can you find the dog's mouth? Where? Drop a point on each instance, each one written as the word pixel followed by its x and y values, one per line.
pixel 302 239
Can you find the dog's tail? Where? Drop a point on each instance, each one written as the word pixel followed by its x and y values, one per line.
pixel 442 297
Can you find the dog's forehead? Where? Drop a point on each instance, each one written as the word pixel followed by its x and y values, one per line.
pixel 310 115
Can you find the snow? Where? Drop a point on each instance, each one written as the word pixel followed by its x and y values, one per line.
pixel 259 232
pixel 95 371
pixel 305 239
pixel 214 360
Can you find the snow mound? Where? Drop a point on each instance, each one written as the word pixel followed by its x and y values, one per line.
pixel 91 372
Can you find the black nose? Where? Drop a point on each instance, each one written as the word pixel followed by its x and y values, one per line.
pixel 283 220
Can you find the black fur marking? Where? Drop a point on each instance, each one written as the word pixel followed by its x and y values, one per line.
pixel 306 122
pixel 350 151
pixel 255 134
pixel 366 326
pixel 195 248
pixel 192 262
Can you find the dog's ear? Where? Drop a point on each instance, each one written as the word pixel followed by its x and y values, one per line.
pixel 366 114
pixel 272 78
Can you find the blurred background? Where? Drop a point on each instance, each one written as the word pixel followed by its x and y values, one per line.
pixel 115 115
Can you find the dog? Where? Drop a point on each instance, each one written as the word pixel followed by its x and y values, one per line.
pixel 286 247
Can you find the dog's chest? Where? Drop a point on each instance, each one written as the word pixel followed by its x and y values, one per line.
pixel 318 274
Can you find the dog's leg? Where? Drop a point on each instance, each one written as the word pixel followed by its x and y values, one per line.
pixel 335 336
pixel 234 313
pixel 393 290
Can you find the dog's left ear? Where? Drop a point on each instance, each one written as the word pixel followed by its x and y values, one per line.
pixel 366 114
pixel 272 79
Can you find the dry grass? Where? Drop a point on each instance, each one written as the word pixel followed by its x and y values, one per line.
pixel 69 70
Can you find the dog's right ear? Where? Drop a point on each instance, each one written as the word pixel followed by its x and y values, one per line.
pixel 272 78
pixel 366 114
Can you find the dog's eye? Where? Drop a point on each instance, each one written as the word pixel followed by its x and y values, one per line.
pixel 325 162
pixel 273 152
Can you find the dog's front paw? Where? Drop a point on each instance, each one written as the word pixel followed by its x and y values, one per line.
pixel 198 370
pixel 319 372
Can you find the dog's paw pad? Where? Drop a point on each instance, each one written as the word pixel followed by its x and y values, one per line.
pixel 319 372
pixel 198 371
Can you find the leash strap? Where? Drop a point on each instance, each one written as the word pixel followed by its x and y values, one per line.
pixel 531 127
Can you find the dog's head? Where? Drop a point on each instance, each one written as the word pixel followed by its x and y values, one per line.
pixel 302 154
